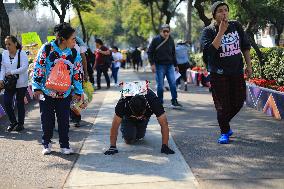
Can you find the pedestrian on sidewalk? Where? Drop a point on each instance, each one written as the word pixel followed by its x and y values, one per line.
pixel 90 65
pixel 14 63
pixel 224 43
pixel 162 57
pixel 144 56
pixel 136 59
pixel 117 59
pixel 182 55
pixel 133 114
pixel 52 101
pixel 102 62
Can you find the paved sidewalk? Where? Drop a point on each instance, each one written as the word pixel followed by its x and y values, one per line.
pixel 140 166
pixel 254 158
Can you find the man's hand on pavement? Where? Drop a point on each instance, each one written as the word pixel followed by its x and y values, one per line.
pixel 111 151
pixel 166 150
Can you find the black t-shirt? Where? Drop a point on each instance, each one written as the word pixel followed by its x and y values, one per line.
pixel 154 106
pixel 227 59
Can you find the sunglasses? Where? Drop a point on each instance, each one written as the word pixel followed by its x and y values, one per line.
pixel 166 31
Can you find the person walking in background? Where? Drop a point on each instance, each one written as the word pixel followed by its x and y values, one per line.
pixel 162 57
pixel 117 59
pixel 144 58
pixel 182 55
pixel 136 58
pixel 102 64
pixel 9 66
pixel 224 45
pixel 53 101
pixel 90 65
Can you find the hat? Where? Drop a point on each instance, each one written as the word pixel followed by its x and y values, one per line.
pixel 165 26
pixel 216 5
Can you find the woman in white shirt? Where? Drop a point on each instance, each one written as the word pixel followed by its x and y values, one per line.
pixel 117 59
pixel 9 67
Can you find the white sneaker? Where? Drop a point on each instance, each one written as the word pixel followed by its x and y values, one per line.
pixel 46 149
pixel 66 151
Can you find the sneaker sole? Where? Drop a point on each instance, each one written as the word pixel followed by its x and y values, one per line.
pixel 223 142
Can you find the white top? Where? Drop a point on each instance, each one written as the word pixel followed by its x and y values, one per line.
pixel 116 57
pixel 80 49
pixel 144 55
pixel 7 66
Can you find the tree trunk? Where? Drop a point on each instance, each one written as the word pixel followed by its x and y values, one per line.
pixel 4 24
pixel 201 13
pixel 278 36
pixel 82 24
pixel 257 50
pixel 188 24
pixel 152 19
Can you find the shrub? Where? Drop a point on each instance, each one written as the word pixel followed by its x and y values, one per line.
pixel 196 60
pixel 273 68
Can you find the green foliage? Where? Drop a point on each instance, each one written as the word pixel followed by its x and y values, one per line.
pixel 117 22
pixel 196 60
pixel 273 68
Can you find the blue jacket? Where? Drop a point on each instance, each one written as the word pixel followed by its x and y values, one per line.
pixel 43 66
pixel 182 53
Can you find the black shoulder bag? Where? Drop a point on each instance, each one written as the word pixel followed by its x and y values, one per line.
pixel 10 81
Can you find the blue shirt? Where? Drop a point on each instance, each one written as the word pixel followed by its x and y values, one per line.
pixel 182 53
pixel 44 65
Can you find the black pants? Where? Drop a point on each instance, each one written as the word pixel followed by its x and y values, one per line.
pixel 101 70
pixel 48 108
pixel 182 70
pixel 133 129
pixel 136 65
pixel 8 102
pixel 229 94
pixel 91 74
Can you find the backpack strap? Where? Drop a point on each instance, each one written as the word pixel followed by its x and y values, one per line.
pixel 19 61
pixel 19 56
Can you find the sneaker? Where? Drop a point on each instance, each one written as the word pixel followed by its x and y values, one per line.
pixel 175 103
pixel 11 127
pixel 66 151
pixel 19 127
pixel 46 149
pixel 224 139
pixel 230 133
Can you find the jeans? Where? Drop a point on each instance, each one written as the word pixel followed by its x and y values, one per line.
pixel 115 73
pixel 8 102
pixel 163 70
pixel 48 108
pixel 133 129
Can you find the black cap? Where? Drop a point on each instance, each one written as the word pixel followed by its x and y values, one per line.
pixel 216 5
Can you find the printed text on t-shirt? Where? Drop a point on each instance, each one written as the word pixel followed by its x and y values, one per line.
pixel 230 44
